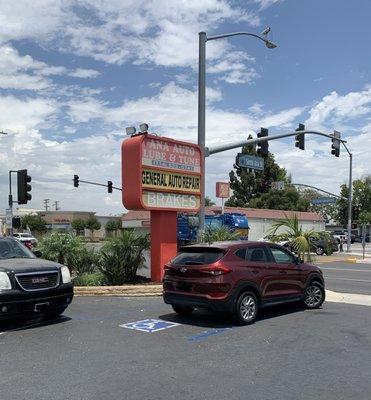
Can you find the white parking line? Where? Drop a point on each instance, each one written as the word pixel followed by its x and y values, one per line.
pixel 349 279
pixel 342 269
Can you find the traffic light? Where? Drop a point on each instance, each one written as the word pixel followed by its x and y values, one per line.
pixel 24 188
pixel 76 181
pixel 109 186
pixel 300 137
pixel 262 149
pixel 16 222
pixel 336 144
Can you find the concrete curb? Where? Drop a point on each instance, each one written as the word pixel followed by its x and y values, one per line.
pixel 348 298
pixel 125 291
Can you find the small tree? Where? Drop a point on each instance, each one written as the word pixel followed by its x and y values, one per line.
pixel 78 225
pixel 209 202
pixel 113 226
pixel 300 240
pixel 92 224
pixel 33 222
pixel 121 257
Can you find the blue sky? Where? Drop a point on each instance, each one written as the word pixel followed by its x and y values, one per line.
pixel 75 73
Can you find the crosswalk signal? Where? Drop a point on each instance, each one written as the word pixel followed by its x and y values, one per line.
pixel 76 181
pixel 335 147
pixel 23 186
pixel 262 149
pixel 109 186
pixel 300 137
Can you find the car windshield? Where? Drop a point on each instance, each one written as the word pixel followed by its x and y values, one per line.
pixel 11 248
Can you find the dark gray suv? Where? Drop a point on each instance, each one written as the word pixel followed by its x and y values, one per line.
pixel 30 286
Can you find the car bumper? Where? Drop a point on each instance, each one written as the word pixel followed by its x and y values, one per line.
pixel 15 303
pixel 225 305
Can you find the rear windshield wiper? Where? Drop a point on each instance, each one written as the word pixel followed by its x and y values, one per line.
pixel 193 263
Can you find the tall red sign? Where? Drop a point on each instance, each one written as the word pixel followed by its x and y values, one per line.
pixel 162 175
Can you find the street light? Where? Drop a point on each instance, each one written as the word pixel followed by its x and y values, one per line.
pixel 203 38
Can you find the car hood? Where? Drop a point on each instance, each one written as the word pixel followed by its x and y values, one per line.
pixel 27 265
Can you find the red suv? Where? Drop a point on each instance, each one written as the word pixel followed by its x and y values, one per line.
pixel 239 278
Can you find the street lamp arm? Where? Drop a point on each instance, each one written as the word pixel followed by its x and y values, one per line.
pixel 266 41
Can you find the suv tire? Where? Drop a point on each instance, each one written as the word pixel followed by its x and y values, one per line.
pixel 314 295
pixel 182 310
pixel 246 308
pixel 320 251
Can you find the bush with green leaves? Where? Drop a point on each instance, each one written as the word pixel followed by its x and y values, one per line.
pixel 219 235
pixel 90 279
pixel 121 257
pixel 68 250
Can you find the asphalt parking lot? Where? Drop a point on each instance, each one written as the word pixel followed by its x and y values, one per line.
pixel 289 353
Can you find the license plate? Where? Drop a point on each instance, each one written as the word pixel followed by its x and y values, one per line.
pixel 41 306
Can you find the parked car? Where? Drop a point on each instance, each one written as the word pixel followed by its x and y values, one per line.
pixel 31 286
pixel 320 245
pixel 25 237
pixel 239 278
pixel 268 238
pixel 343 234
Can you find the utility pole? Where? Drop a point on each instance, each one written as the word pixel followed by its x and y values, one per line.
pixel 56 205
pixel 46 204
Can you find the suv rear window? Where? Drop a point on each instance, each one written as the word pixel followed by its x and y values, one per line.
pixel 197 256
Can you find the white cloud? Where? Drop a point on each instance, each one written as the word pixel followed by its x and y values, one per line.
pixel 24 115
pixel 160 33
pixel 25 73
pixel 334 109
pixel 84 73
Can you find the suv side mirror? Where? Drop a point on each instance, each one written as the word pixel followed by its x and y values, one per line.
pixel 38 253
pixel 298 260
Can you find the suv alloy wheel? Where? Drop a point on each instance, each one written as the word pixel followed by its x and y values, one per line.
pixel 314 295
pixel 246 308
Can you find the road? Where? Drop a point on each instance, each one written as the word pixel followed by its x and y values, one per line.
pixel 288 354
pixel 347 277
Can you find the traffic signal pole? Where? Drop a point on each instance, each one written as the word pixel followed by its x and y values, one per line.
pixel 218 149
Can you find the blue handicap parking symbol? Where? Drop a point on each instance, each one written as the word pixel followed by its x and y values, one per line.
pixel 149 325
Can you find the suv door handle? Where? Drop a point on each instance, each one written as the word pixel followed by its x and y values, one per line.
pixel 255 271
pixel 282 271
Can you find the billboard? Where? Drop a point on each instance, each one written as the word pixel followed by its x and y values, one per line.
pixel 160 173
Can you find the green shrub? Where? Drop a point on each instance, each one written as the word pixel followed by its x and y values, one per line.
pixel 218 235
pixel 85 260
pixel 90 279
pixel 121 257
pixel 68 250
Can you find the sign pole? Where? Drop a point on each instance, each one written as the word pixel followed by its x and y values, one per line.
pixel 163 241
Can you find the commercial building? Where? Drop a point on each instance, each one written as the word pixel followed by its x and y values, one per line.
pixel 260 220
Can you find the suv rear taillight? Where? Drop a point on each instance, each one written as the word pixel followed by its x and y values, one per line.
pixel 215 271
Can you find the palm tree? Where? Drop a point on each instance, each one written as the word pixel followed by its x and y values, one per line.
pixel 300 240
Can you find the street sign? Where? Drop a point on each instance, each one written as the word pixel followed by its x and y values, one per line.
pixel 222 190
pixel 253 162
pixel 324 200
pixel 280 185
